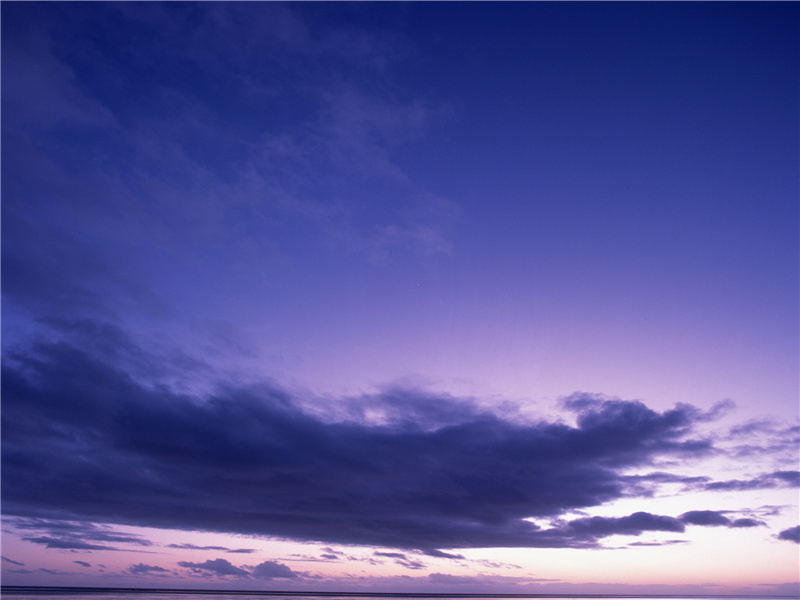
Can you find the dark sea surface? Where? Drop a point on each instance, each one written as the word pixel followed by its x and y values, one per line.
pixel 72 593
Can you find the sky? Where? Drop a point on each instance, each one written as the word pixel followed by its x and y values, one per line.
pixel 425 297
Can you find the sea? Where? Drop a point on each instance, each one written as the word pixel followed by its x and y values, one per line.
pixel 76 593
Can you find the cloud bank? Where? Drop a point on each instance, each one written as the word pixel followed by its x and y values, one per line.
pixel 110 449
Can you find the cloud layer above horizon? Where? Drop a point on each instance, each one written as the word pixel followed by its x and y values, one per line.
pixel 403 469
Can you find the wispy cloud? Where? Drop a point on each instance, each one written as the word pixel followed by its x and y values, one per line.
pixel 766 481
pixel 73 535
pixel 401 559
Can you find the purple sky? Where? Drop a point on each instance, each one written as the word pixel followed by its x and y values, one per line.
pixel 401 296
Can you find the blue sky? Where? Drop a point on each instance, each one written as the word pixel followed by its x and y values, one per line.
pixel 401 296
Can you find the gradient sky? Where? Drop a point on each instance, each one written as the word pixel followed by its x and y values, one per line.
pixel 453 297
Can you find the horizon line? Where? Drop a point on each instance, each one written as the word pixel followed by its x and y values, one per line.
pixel 44 590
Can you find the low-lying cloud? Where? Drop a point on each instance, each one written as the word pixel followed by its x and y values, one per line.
pixel 143 569
pixel 110 449
pixel 218 566
pixel 221 567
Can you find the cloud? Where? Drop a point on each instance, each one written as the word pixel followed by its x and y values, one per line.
pixel 65 544
pixel 143 569
pixel 705 517
pixel 633 524
pixel 273 570
pixel 440 554
pixel 71 535
pixel 448 476
pixel 13 562
pixel 775 479
pixel 747 522
pixel 220 548
pixel 218 566
pixel 82 563
pixel 262 166
pixel 660 543
pixel 792 534
pixel 267 570
pixel 402 559
pixel 763 437
pixel 714 518
pixel 648 484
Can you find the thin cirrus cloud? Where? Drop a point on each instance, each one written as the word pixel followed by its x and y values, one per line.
pixel 450 475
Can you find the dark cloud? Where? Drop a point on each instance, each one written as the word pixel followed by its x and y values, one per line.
pixel 648 484
pixel 82 563
pixel 775 479
pixel 747 523
pixel 220 548
pixel 13 562
pixel 661 543
pixel 390 554
pixel 108 448
pixel 633 524
pixel 792 534
pixel 411 564
pixel 440 554
pixel 143 569
pixel 705 517
pixel 50 571
pixel 66 544
pixel 218 566
pixel 70 535
pixel 716 518
pixel 331 554
pixel 273 570
pixel 194 547
pixel 402 559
